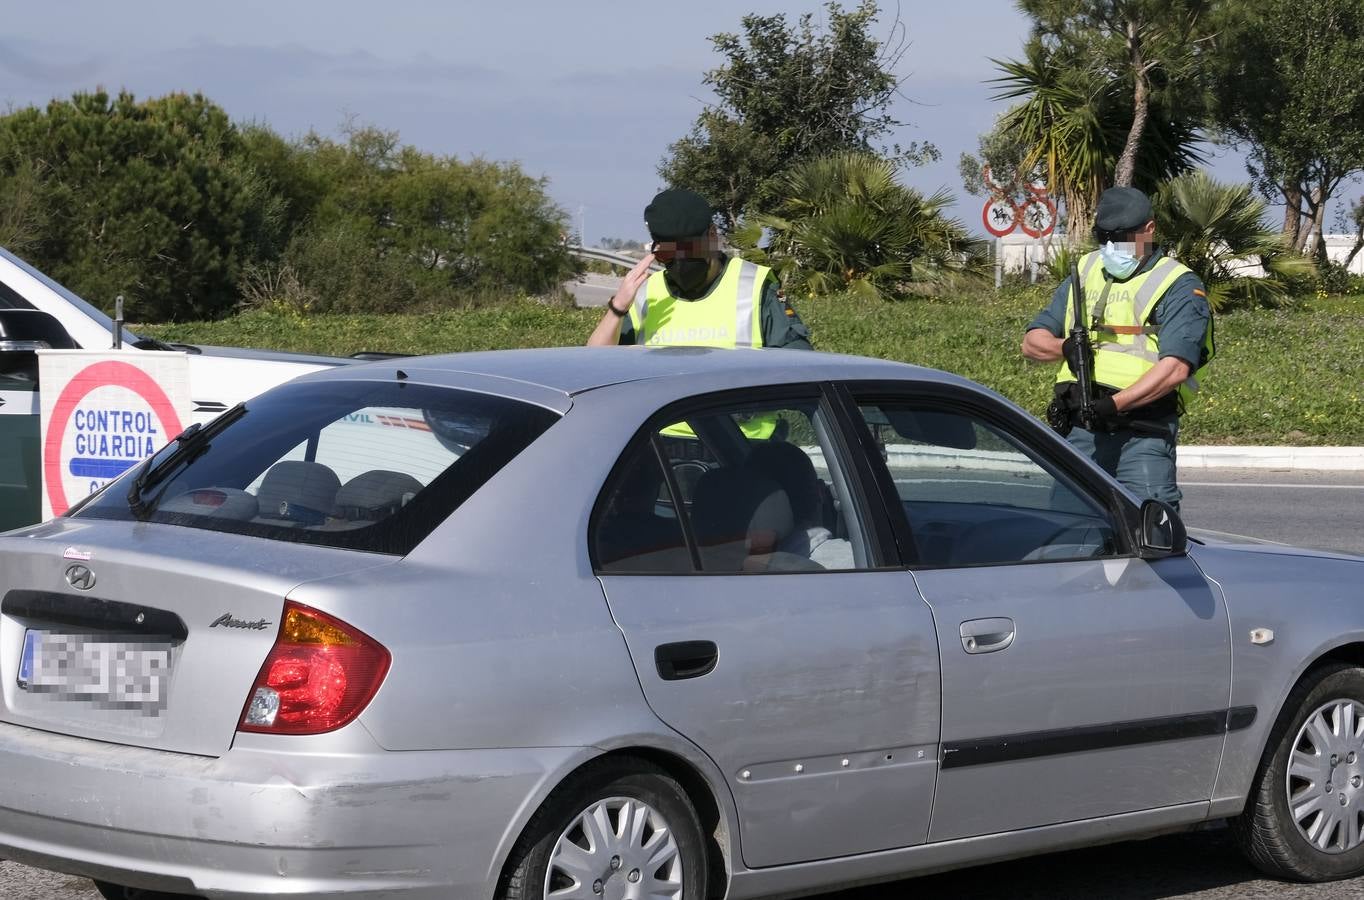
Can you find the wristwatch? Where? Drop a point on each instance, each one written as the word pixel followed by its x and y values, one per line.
pixel 620 314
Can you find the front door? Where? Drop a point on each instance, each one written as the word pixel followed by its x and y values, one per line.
pixel 1078 680
pixel 743 573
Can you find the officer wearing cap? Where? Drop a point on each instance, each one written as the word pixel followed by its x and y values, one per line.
pixel 1152 337
pixel 702 297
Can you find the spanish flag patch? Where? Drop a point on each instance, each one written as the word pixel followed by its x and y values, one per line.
pixel 1198 292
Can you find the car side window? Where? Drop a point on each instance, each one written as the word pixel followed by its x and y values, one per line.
pixel 756 489
pixel 975 495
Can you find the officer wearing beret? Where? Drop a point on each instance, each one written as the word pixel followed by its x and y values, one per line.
pixel 702 297
pixel 1152 337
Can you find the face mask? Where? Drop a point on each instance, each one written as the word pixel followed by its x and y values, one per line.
pixel 689 274
pixel 1119 260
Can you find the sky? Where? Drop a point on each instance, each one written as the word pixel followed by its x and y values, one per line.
pixel 587 94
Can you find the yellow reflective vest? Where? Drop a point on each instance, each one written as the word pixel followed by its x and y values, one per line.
pixel 729 315
pixel 1122 326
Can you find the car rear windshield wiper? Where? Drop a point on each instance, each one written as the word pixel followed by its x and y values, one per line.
pixel 190 443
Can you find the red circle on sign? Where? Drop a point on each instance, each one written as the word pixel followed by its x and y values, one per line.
pixel 997 189
pixel 1041 220
pixel 101 374
pixel 999 229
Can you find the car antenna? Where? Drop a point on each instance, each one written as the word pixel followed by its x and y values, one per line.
pixel 118 322
pixel 402 376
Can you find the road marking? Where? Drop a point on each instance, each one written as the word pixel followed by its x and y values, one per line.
pixel 1253 484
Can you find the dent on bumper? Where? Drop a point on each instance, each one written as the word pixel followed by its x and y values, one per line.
pixel 256 823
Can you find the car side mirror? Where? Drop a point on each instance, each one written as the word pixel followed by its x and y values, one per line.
pixel 1162 531
pixel 23 332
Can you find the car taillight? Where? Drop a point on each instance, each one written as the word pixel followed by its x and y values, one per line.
pixel 319 675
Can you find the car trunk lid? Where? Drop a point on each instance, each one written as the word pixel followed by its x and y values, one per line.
pixel 147 635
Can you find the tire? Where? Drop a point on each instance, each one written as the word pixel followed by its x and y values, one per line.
pixel 619 790
pixel 119 892
pixel 1317 845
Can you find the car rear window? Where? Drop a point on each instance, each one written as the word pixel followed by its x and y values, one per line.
pixel 362 465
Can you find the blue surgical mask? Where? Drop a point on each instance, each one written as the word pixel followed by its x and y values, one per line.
pixel 1119 261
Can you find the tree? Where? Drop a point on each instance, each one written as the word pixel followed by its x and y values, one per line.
pixel 23 204
pixel 613 243
pixel 1356 220
pixel 1075 121
pixel 785 94
pixel 843 223
pixel 146 199
pixel 1289 90
pixel 384 227
pixel 1150 46
pixel 1216 229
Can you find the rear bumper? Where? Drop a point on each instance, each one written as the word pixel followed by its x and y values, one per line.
pixel 261 823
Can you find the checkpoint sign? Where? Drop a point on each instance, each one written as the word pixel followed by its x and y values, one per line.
pixel 103 413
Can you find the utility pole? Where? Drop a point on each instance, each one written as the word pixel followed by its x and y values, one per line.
pixel 582 226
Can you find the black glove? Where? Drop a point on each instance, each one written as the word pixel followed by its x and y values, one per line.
pixel 1106 413
pixel 1071 350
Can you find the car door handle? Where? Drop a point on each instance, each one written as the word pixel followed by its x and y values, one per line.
pixel 685 659
pixel 986 635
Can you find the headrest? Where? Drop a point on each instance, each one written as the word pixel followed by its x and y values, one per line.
pixel 298 490
pixel 732 505
pixel 793 470
pixel 375 494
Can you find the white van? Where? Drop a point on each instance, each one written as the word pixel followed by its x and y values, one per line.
pixel 37 312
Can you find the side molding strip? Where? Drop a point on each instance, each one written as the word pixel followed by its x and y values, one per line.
pixel 1034 744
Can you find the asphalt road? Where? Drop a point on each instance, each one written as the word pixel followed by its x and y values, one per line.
pixel 1310 509
pixel 593 289
pixel 1315 510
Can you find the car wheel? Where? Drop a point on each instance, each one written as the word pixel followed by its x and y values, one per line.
pixel 619 830
pixel 119 892
pixel 1304 819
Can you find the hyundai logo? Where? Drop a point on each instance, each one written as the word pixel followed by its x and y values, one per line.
pixel 80 578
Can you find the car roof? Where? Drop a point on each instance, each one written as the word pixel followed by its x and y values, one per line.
pixel 575 370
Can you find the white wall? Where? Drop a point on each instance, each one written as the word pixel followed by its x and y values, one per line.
pixel 1018 252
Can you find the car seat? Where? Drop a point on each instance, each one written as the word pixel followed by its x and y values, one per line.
pixel 374 495
pixel 297 492
pixel 740 519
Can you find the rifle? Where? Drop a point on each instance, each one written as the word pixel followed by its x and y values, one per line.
pixel 1079 333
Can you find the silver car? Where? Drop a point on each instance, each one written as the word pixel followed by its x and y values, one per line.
pixel 652 623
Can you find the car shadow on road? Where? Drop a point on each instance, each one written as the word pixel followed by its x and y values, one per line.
pixel 1203 865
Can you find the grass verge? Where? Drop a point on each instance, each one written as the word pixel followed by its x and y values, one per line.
pixel 1280 377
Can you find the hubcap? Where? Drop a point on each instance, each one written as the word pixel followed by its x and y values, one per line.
pixel 616 849
pixel 1325 772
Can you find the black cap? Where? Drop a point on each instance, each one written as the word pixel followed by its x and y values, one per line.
pixel 677 214
pixel 1122 209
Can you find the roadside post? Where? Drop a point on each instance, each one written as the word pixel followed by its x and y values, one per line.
pixel 101 413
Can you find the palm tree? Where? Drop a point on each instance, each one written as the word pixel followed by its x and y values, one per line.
pixel 843 223
pixel 1074 121
pixel 1217 230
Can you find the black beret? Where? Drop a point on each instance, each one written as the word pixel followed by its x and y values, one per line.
pixel 1122 209
pixel 677 214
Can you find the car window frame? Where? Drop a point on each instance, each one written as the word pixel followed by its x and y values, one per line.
pixel 1029 433
pixel 867 498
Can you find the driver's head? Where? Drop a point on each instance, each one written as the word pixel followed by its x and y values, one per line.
pixel 686 241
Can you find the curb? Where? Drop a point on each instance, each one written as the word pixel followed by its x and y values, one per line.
pixel 1310 459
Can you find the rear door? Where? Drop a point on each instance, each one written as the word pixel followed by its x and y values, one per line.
pixel 1078 680
pixel 812 685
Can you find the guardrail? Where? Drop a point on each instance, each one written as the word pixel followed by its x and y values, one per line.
pixel 610 256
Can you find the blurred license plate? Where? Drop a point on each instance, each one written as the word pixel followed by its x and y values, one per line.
pixel 85 667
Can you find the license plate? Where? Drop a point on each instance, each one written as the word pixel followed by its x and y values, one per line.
pixel 86 667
